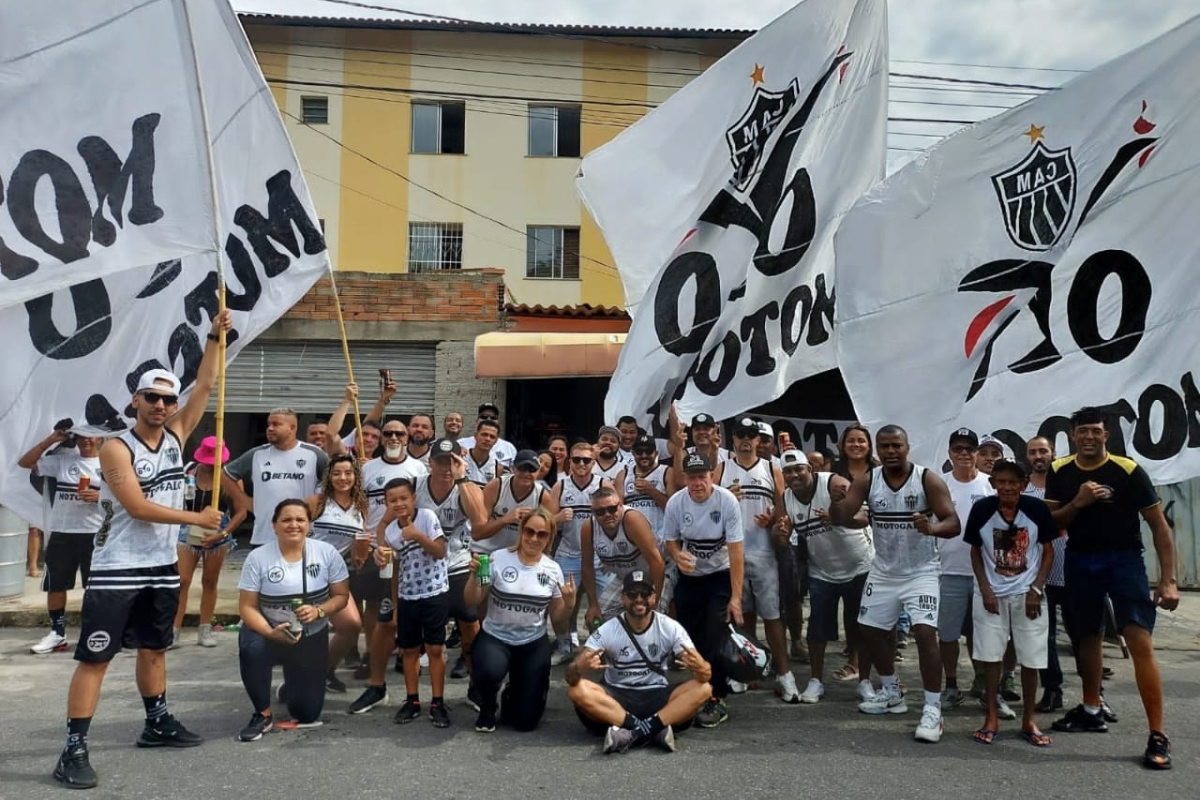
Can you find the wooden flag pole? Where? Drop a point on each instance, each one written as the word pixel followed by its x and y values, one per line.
pixel 218 457
pixel 337 304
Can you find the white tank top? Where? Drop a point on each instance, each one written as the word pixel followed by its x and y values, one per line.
pixel 900 549
pixel 835 554
pixel 610 473
pixel 580 501
pixel 758 497
pixel 642 503
pixel 127 543
pixel 617 556
pixel 506 502
pixel 481 474
pixel 455 525
pixel 338 526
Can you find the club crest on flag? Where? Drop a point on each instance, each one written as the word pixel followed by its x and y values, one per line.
pixel 749 135
pixel 1037 195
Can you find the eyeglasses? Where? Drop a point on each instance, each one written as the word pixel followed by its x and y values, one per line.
pixel 488 418
pixel 580 460
pixel 394 435
pixel 604 511
pixel 645 452
pixel 153 397
pixel 639 594
pixel 539 535
pixel 962 448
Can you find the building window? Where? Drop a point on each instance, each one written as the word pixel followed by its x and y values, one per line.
pixel 554 131
pixel 552 253
pixel 439 127
pixel 434 245
pixel 314 110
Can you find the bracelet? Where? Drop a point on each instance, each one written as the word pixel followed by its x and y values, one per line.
pixel 213 337
pixel 1037 591
pixel 460 481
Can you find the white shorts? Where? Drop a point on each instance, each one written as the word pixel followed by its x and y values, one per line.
pixel 1029 636
pixel 884 598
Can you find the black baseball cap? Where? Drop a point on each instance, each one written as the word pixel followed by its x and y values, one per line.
pixel 443 448
pixel 696 462
pixel 488 409
pixel 526 458
pixel 637 578
pixel 746 427
pixel 703 419
pixel 967 434
pixel 1015 467
pixel 644 442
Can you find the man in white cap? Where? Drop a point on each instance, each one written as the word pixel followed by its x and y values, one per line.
pixel 133 590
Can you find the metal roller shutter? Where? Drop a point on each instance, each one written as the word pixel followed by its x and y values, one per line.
pixel 310 377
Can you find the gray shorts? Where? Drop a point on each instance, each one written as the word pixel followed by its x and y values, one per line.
pixel 760 585
pixel 954 607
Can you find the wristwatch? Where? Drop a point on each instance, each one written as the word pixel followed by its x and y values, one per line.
pixel 458 481
pixel 320 613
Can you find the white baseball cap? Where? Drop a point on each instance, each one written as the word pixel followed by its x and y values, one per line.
pixel 793 458
pixel 765 429
pixel 150 378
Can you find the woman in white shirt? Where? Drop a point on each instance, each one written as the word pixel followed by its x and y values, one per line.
pixel 275 576
pixel 526 589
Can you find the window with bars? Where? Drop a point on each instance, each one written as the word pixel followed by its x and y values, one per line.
pixel 554 131
pixel 439 127
pixel 434 245
pixel 552 253
pixel 314 110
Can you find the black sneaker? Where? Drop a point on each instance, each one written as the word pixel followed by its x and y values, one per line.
pixel 74 771
pixel 439 715
pixel 352 660
pixel 364 668
pixel 1078 720
pixel 408 712
pixel 399 665
pixel 474 699
pixel 460 668
pixel 455 638
pixel 1106 711
pixel 259 725
pixel 372 696
pixel 1052 700
pixel 712 713
pixel 334 684
pixel 485 722
pixel 1157 756
pixel 167 732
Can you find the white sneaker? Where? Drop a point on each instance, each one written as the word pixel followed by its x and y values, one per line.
pixel 886 701
pixel 574 640
pixel 785 687
pixel 205 638
pixel 1004 710
pixel 175 633
pixel 866 691
pixel 561 654
pixel 929 729
pixel 424 662
pixel 813 692
pixel 736 687
pixel 50 643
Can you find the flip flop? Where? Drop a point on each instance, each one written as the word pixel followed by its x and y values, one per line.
pixel 1036 738
pixel 846 673
pixel 985 735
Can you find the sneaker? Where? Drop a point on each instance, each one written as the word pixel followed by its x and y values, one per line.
pixel 813 692
pixel 1003 709
pixel 1157 755
pixel 175 633
pixel 424 662
pixel 334 684
pixel 1079 720
pixel 977 686
pixel 485 722
pixel 473 698
pixel 372 696
pixel 952 698
pixel 454 639
pixel 785 688
pixel 561 654
pixel 930 728
pixel 204 636
pixel 736 687
pixel 75 770
pixel 886 701
pixel 352 660
pixel 279 693
pixel 665 739
pixel 167 732
pixel 439 715
pixel 259 725
pixel 712 713
pixel 363 671
pixel 1106 711
pixel 617 740
pixel 1052 700
pixel 1008 688
pixel 460 668
pixel 866 691
pixel 52 643
pixel 901 640
pixel 398 666
pixel 408 712
pixel 574 641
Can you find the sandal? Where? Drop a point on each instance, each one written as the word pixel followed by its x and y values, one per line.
pixel 1036 738
pixel 985 735
pixel 1158 752
pixel 847 673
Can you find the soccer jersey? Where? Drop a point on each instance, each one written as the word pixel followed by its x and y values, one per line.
pixel 704 529
pixel 900 549
pixel 503 450
pixel 579 500
pixel 617 555
pixel 1011 552
pixel 455 524
pixel 481 474
pixel 124 543
pixel 520 596
pixel 955 554
pixel 69 514
pixel 279 581
pixel 643 503
pixel 423 458
pixel 626 667
pixel 506 501
pixel 1112 523
pixel 376 474
pixel 271 475
pixel 338 526
pixel 757 484
pixel 421 575
pixel 608 473
pixel 835 554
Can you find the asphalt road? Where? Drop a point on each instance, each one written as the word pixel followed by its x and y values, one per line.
pixel 827 750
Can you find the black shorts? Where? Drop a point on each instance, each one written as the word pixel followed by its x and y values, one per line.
pixel 131 608
pixel 422 621
pixel 459 610
pixel 66 554
pixel 1119 574
pixel 823 598
pixel 366 585
pixel 642 703
pixel 793 575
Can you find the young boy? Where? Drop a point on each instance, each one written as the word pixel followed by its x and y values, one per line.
pixel 423 591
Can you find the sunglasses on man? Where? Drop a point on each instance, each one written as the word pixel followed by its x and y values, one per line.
pixel 580 460
pixel 639 594
pixel 605 511
pixel 394 435
pixel 153 397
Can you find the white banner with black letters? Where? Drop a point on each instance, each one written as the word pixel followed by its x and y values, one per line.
pixel 78 353
pixel 102 164
pixel 721 205
pixel 1040 261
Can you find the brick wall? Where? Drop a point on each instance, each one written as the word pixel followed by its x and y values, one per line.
pixel 457 387
pixel 449 295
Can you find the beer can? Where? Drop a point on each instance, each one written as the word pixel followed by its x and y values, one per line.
pixel 385 572
pixel 296 627
pixel 84 482
pixel 484 573
pixel 385 377
pixel 785 442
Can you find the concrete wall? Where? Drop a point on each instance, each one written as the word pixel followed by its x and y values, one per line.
pixel 457 387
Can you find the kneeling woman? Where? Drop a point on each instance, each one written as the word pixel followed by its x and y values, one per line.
pixel 293 570
pixel 526 587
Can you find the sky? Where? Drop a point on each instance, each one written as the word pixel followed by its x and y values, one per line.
pixel 1034 42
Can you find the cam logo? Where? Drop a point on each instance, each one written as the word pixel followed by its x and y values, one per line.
pixel 172 455
pixel 543 579
pixel 910 502
pixel 314 571
pixel 749 136
pixel 509 575
pixel 98 642
pixel 300 462
pixel 143 468
pixel 1037 198
pixel 715 516
pixel 275 575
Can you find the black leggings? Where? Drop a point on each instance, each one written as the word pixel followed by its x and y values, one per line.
pixel 700 606
pixel 528 669
pixel 303 671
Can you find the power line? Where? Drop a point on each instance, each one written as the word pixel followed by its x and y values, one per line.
pixel 985 66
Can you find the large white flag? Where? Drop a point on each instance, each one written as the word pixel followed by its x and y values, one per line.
pixel 721 205
pixel 1040 261
pixel 78 353
pixel 102 163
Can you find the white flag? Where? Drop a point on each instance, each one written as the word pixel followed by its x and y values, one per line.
pixel 1038 262
pixel 722 204
pixel 102 163
pixel 78 353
